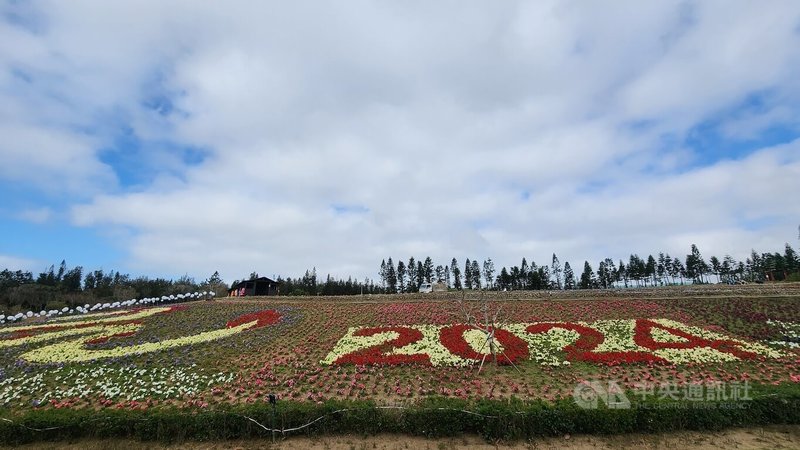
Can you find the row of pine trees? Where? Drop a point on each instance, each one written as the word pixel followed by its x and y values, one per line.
pixel 637 272
pixel 64 286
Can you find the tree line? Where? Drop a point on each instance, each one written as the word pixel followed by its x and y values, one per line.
pixel 308 284
pixel 56 288
pixel 660 270
pixel 70 287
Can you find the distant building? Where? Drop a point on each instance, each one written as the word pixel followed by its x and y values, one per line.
pixel 439 286
pixel 258 286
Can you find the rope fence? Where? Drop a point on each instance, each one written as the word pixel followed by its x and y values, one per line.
pixel 282 431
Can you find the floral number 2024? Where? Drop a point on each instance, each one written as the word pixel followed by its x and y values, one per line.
pixel 549 343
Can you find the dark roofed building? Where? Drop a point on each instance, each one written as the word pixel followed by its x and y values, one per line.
pixel 258 286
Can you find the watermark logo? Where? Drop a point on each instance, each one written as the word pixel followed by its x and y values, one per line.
pixel 711 394
pixel 590 394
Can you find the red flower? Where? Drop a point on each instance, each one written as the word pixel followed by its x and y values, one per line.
pixel 379 353
pixel 588 340
pixel 514 348
pixel 643 336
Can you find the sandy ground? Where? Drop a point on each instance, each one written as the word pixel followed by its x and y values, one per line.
pixel 773 437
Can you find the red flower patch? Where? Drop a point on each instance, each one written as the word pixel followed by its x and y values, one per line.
pixel 643 336
pixel 514 348
pixel 379 353
pixel 588 340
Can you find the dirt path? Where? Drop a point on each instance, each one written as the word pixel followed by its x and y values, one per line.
pixel 773 437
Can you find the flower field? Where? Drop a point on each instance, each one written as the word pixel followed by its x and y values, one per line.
pixel 211 354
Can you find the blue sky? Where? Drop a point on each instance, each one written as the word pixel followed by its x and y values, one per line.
pixel 183 138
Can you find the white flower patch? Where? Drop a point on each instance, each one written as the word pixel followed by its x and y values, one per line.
pixel 661 335
pixel 618 336
pixel 75 350
pixel 545 348
pixel 790 330
pixel 351 343
pixel 89 316
pixel 126 383
pixel 477 340
pixel 694 355
pixel 750 347
pixel 432 346
pixel 92 332
pixel 135 316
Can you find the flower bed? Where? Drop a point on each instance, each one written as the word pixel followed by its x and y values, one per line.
pixel 608 342
pixel 214 354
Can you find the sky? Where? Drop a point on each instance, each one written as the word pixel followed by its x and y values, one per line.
pixel 165 138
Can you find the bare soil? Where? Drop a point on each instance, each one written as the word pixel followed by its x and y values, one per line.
pixel 772 437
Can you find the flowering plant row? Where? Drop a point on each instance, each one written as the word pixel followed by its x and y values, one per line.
pixel 68 313
pixel 548 343
pixel 101 328
pixel 790 333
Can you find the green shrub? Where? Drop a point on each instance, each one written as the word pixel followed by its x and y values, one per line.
pixel 54 304
pixel 431 417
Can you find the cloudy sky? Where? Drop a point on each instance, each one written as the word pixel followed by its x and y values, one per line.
pixel 164 138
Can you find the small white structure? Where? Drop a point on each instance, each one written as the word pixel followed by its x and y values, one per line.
pixel 425 288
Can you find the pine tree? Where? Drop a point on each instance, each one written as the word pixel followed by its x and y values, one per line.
pixel 468 274
pixel 517 280
pixel 62 269
pixel 588 280
pixel 556 270
pixel 612 272
pixel 569 277
pixel 650 269
pixel 439 273
pixel 456 274
pixel 622 273
pixel 504 279
pixel 791 259
pixel 401 276
pixel 476 274
pixel 668 267
pixel 696 267
pixel 728 269
pixel 602 274
pixel 411 268
pixel 427 268
pixel 678 269
pixel 661 268
pixel 488 272
pixel 754 267
pixel 382 273
pixel 214 279
pixel 71 282
pixel 523 274
pixel 391 276
pixel 544 277
pixel 89 282
pixel 716 267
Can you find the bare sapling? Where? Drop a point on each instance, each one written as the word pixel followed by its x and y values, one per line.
pixel 483 314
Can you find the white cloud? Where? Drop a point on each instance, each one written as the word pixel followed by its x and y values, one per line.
pixel 432 121
pixel 16 263
pixel 36 215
